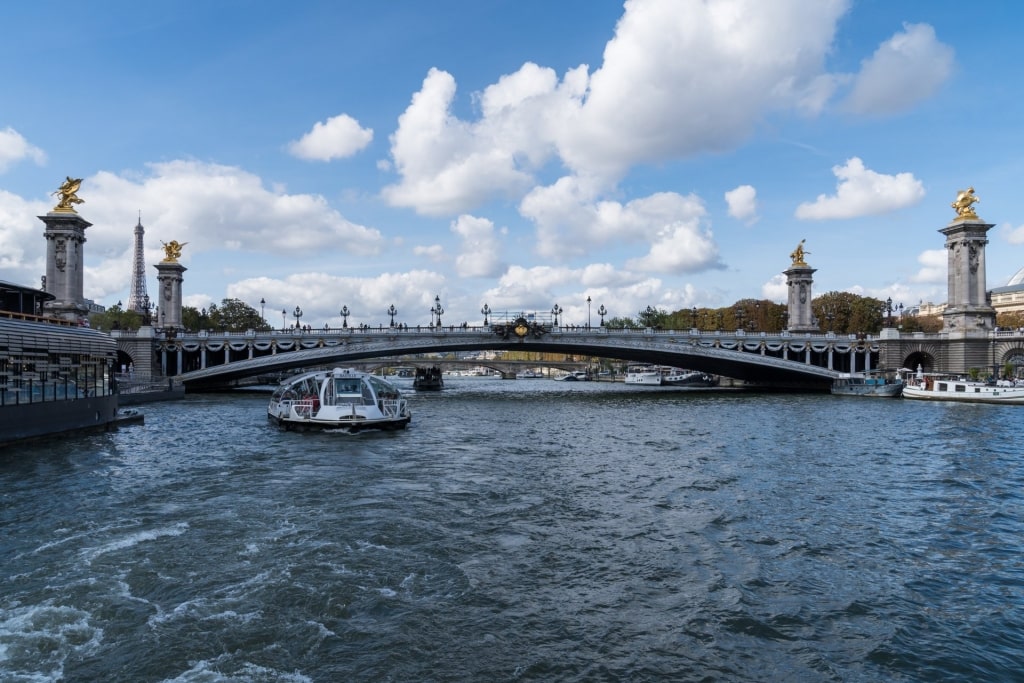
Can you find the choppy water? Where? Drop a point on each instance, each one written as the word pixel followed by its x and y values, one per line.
pixel 523 531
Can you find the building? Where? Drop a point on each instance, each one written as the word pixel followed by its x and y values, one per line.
pixel 1010 297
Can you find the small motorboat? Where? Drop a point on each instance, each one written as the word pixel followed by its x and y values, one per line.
pixel 341 398
pixel 867 384
pixel 428 379
pixel 677 377
pixel 574 376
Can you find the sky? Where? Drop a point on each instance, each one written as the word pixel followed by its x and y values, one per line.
pixel 514 153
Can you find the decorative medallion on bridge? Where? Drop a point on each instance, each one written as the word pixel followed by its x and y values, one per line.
pixel 520 327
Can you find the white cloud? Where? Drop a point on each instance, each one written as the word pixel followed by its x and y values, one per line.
pixel 323 294
pixel 622 293
pixel 683 78
pixel 679 247
pixel 904 70
pixel 1011 234
pixel 447 165
pixel 479 255
pixel 677 79
pixel 434 252
pixel 569 223
pixel 339 137
pixel 14 147
pixel 934 263
pixel 209 206
pixel 863 192
pixel 776 289
pixel 742 203
pixel 22 247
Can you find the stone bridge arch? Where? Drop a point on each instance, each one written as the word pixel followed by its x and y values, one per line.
pixel 924 354
pixel 1012 354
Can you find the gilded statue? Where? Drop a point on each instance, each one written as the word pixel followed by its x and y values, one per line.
pixel 172 250
pixel 68 196
pixel 963 204
pixel 798 254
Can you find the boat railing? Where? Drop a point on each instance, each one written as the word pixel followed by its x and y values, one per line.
pixel 304 408
pixel 391 406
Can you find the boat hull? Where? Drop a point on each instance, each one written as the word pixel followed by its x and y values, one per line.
pixel 348 424
pixel 51 418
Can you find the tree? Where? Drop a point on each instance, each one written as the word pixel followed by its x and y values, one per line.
pixel 115 318
pixel 621 324
pixel 848 313
pixel 233 315
pixel 191 319
pixel 652 317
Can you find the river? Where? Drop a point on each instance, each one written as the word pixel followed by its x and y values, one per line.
pixel 525 530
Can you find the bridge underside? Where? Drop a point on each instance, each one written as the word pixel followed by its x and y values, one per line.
pixel 756 369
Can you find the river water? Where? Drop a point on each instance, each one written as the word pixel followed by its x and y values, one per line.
pixel 523 531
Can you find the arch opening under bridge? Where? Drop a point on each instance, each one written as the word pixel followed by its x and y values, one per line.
pixel 778 361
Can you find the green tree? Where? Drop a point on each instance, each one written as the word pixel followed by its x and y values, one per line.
pixel 652 317
pixel 621 324
pixel 233 315
pixel 848 313
pixel 115 318
pixel 191 319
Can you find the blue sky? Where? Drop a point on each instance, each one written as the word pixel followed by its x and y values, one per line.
pixel 518 153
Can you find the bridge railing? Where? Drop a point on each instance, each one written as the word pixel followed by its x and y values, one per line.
pixel 477 330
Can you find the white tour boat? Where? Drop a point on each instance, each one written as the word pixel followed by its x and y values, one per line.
pixel 341 398
pixel 643 374
pixel 936 387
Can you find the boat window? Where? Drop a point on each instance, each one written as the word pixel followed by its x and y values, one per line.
pixel 961 387
pixel 346 386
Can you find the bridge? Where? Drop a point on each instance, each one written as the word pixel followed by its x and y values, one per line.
pixel 210 360
pixel 214 360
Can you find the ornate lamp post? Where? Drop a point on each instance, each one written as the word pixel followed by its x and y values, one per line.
pixel 888 310
pixel 757 316
pixel 284 318
pixel 344 316
pixel 693 317
pixel 739 318
pixel 785 320
pixel 602 311
pixel 437 310
pixel 263 303
pixel 588 312
pixel 829 316
pixel 298 314
pixel 392 311
pixel 486 310
pixel 556 311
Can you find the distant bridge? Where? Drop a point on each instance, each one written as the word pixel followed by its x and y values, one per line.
pixel 211 360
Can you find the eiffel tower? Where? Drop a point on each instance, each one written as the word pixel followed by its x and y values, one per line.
pixel 138 299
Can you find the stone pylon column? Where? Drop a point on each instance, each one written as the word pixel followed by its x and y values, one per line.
pixel 169 279
pixel 968 311
pixel 799 279
pixel 65 263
